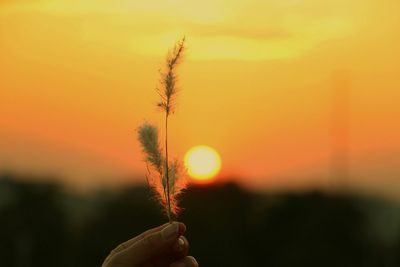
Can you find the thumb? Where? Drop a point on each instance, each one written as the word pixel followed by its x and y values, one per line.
pixel 156 244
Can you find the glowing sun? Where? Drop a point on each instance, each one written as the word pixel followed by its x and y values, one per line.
pixel 203 163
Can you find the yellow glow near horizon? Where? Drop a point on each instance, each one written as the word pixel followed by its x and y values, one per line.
pixel 203 163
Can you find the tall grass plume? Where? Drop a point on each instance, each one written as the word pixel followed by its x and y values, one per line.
pixel 165 176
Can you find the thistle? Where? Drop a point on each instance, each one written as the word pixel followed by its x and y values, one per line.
pixel 165 177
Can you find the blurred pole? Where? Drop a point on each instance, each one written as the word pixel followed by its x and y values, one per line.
pixel 341 81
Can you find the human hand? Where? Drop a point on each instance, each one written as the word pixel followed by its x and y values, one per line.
pixel 163 246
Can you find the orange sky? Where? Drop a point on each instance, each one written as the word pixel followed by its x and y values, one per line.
pixel 78 76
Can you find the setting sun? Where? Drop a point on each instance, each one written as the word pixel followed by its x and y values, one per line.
pixel 203 163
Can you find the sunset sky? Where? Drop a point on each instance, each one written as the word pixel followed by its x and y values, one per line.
pixel 258 84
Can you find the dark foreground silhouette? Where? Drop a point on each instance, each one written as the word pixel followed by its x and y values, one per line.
pixel 41 225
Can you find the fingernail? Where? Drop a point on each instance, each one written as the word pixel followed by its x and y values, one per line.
pixel 180 245
pixel 170 231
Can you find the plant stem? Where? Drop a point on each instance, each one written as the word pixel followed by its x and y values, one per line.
pixel 166 165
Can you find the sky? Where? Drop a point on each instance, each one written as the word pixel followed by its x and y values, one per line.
pixel 287 91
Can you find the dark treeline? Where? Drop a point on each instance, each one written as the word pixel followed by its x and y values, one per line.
pixel 41 225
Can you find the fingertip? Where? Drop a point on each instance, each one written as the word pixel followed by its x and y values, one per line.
pixel 181 247
pixel 182 228
pixel 170 232
pixel 180 244
pixel 193 261
pixel 188 261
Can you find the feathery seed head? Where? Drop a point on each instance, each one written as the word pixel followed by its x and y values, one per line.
pixel 168 78
pixel 148 138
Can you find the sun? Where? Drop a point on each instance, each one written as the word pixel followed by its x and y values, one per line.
pixel 203 163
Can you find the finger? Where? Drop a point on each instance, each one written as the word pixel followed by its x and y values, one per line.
pixel 154 245
pixel 180 249
pixel 131 241
pixel 188 261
